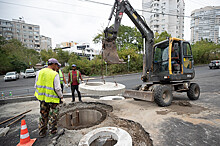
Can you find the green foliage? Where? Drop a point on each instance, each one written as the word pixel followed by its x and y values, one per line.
pixel 160 37
pixel 62 56
pixel 47 54
pixel 15 57
pixel 126 35
pixel 205 51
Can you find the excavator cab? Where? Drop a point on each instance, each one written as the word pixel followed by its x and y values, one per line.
pixel 172 61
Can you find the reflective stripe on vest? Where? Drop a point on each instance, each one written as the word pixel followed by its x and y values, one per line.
pixel 61 76
pixel 45 86
pixel 71 76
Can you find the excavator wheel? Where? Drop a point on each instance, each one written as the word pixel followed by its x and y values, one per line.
pixel 194 91
pixel 163 95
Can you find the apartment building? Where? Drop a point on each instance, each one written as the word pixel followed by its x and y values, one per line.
pixel 165 15
pixel 83 49
pixel 45 42
pixel 205 24
pixel 28 34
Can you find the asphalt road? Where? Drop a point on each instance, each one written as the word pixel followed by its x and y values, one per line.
pixel 201 129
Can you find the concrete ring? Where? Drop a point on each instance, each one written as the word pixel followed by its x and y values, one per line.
pixel 123 137
pixel 112 98
pixel 102 89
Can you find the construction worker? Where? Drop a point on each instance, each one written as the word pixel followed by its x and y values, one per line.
pixel 73 79
pixel 48 92
pixel 62 77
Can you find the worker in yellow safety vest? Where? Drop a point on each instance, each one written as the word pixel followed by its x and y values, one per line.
pixel 62 77
pixel 73 79
pixel 48 92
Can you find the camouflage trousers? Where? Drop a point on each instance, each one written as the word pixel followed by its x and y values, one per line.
pixel 49 114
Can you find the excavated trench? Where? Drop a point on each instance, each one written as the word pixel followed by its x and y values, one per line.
pixel 82 118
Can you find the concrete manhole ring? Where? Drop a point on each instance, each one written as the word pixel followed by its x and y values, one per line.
pixel 112 98
pixel 82 118
pixel 101 89
pixel 106 136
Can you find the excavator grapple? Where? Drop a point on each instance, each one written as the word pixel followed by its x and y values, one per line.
pixel 110 54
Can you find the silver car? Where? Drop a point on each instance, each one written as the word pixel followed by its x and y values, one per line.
pixel 29 73
pixel 10 76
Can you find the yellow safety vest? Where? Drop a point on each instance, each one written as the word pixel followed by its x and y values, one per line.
pixel 71 76
pixel 61 76
pixel 45 87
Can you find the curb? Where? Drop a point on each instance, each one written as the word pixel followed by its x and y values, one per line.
pixel 33 98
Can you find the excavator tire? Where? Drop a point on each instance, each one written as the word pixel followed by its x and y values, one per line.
pixel 194 91
pixel 163 95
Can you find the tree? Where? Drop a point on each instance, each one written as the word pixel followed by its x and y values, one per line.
pixel 14 56
pixel 47 54
pixel 62 56
pixel 203 51
pixel 126 35
pixel 160 37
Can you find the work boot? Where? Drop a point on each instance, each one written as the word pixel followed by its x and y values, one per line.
pixel 42 134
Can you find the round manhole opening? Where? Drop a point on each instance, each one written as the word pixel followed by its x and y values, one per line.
pixel 94 84
pixel 104 141
pixel 82 118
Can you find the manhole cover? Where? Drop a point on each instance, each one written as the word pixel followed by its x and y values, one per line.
pixel 82 118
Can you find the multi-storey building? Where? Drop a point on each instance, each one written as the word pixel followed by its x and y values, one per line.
pixel 6 29
pixel 83 50
pixel 205 24
pixel 165 15
pixel 45 43
pixel 28 34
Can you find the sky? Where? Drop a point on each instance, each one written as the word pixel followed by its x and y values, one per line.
pixel 78 20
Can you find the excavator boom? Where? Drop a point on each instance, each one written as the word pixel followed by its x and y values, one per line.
pixel 110 54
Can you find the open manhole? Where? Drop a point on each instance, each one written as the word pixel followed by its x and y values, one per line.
pixel 94 84
pixel 104 141
pixel 106 136
pixel 82 118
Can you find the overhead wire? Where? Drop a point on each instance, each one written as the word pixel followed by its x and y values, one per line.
pixel 101 3
pixel 52 10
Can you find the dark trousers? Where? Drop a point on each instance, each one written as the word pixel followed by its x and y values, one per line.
pixel 73 88
pixel 61 87
pixel 48 114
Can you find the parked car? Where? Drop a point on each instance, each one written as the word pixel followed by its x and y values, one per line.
pixel 10 76
pixel 214 64
pixel 29 73
pixel 17 75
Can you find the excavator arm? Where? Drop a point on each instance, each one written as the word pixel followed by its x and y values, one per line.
pixel 109 43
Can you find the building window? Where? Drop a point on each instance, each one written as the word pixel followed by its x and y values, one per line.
pixel 24 26
pixel 30 28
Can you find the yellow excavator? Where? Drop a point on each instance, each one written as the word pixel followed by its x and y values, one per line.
pixel 168 66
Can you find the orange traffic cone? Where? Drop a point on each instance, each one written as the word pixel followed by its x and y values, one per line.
pixel 25 139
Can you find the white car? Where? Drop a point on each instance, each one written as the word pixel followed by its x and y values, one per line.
pixel 10 76
pixel 29 73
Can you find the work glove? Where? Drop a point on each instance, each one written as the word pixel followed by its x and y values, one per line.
pixel 62 100
pixel 66 86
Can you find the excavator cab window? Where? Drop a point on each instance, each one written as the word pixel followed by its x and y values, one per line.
pixel 187 56
pixel 161 57
pixel 175 57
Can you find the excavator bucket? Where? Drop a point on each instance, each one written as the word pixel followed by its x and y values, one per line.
pixel 110 54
